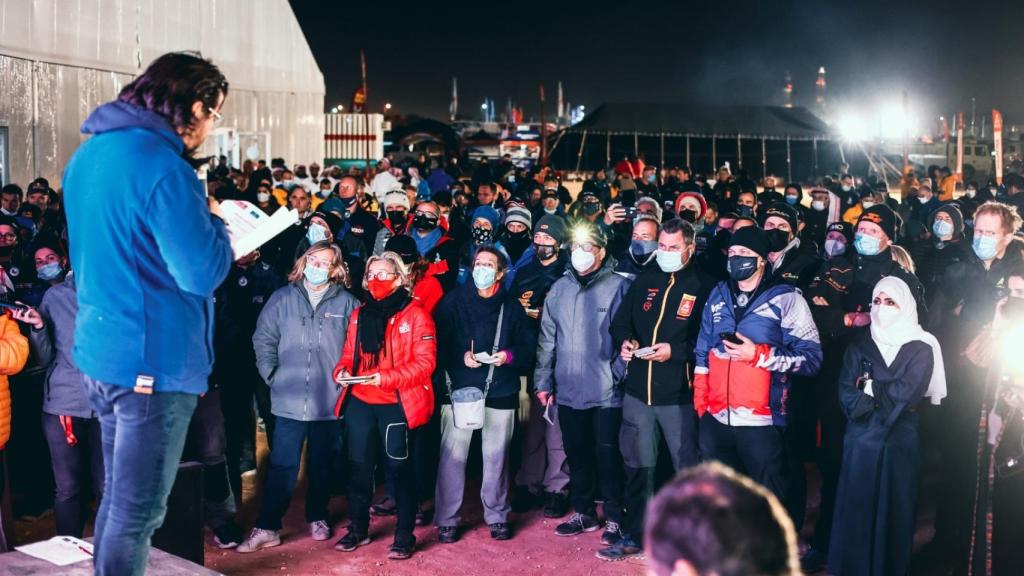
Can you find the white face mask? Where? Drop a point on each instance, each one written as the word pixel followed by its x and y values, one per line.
pixel 867 204
pixel 884 316
pixel 669 261
pixel 582 260
pixel 834 247
pixel 263 197
pixel 847 188
pixel 970 192
pixel 818 205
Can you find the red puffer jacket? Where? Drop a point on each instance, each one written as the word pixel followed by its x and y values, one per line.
pixel 406 363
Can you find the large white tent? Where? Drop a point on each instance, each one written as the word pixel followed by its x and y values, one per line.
pixel 59 59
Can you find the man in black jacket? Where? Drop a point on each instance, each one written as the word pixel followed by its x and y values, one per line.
pixel 792 262
pixel 657 327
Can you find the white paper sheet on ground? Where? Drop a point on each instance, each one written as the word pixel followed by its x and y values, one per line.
pixel 485 358
pixel 249 227
pixel 59 550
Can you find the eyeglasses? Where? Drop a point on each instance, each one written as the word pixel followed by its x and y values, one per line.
pixel 9 236
pixel 380 275
pixel 585 246
pixel 217 117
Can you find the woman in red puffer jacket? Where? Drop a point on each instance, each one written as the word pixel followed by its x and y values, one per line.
pixel 390 342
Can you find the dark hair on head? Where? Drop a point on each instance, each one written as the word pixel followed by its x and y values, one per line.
pixel 34 210
pixel 492 249
pixel 51 241
pixel 712 205
pixel 173 83
pixel 720 523
pixel 12 189
pixel 442 198
pixel 680 226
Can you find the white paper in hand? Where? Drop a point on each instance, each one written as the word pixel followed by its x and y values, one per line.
pixel 59 550
pixel 485 358
pixel 249 227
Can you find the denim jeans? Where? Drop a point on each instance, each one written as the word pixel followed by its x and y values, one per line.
pixel 289 435
pixel 143 436
pixel 75 468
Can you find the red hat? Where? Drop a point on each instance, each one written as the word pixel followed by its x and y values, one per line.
pixel 700 200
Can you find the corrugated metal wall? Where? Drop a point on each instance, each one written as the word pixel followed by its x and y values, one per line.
pixel 59 59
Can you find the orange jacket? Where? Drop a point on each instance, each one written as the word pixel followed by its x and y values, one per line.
pixel 13 354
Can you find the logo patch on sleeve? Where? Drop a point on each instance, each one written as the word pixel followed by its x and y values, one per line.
pixel 686 306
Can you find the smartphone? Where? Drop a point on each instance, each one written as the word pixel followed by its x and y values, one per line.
pixel 643 352
pixel 12 306
pixel 730 337
pixel 630 212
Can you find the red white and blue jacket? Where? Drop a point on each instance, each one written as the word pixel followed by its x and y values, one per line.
pixel 754 393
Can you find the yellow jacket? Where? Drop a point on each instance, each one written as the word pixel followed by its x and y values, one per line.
pixel 13 354
pixel 852 214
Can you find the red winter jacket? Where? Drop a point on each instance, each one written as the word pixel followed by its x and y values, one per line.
pixel 406 363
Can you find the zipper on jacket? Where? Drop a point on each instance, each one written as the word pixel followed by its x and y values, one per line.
pixel 654 336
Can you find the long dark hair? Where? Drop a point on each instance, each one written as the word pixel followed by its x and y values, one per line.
pixel 172 83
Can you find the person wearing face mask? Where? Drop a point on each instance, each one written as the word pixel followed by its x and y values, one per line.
pixel 755 335
pixel 924 205
pixel 746 203
pixel 543 473
pixel 946 248
pixel 588 207
pixel 484 225
pixel 824 211
pixel 840 296
pixel 661 313
pixel 885 375
pixel 792 260
pixel 866 199
pixel 391 342
pixel 480 317
pixel 345 204
pixel 395 219
pixel 642 249
pixel 10 199
pixel 439 250
pixel 838 240
pixel 49 265
pixel 265 201
pixel 516 237
pixel 847 192
pixel 575 353
pixel 314 307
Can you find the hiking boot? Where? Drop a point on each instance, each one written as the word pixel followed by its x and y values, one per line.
pixel 351 540
pixel 259 539
pixel 612 533
pixel 385 507
pixel 577 524
pixel 501 531
pixel 556 505
pixel 227 536
pixel 402 550
pixel 447 534
pixel 319 530
pixel 625 548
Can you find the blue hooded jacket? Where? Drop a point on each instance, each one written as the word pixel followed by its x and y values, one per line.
pixel 146 251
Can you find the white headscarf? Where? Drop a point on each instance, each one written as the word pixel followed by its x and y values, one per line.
pixel 891 333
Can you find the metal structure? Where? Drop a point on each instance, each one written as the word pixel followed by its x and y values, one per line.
pixel 59 60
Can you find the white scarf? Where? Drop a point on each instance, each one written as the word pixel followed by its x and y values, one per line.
pixel 892 334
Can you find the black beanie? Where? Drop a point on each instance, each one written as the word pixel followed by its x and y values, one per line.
pixel 786 212
pixel 331 219
pixel 884 217
pixel 753 238
pixel 404 246
pixel 843 228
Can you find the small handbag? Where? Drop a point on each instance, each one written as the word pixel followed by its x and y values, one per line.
pixel 468 403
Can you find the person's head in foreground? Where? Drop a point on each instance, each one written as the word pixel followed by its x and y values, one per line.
pixel 711 520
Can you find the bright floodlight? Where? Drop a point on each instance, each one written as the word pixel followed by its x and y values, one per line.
pixel 852 128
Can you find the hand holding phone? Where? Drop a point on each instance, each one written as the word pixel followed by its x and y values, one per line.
pixel 730 337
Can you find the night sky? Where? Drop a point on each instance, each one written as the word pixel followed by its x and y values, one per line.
pixel 725 52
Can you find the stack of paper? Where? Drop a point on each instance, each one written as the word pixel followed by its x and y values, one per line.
pixel 59 550
pixel 249 227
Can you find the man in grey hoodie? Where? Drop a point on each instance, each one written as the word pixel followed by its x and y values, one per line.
pixel 574 368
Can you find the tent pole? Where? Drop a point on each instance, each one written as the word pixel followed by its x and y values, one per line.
pixel 636 144
pixel 739 152
pixel 579 157
pixel 608 149
pixel 814 142
pixel 714 153
pixel 688 151
pixel 764 159
pixel 663 151
pixel 789 162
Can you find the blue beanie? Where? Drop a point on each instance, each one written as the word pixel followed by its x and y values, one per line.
pixel 487 213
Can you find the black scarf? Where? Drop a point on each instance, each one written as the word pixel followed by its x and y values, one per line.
pixel 373 320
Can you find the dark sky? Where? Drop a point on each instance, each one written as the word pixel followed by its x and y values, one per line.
pixel 724 51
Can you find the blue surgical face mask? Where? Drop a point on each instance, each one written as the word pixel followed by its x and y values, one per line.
pixel 791 200
pixel 643 248
pixel 484 277
pixel 315 276
pixel 744 210
pixel 315 234
pixel 942 228
pixel 986 247
pixel 50 271
pixel 867 245
pixel 650 178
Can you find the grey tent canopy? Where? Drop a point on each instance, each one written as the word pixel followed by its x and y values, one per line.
pixel 676 119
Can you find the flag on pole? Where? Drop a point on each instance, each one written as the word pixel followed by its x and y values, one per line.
pixel 358 100
pixel 453 106
pixel 997 139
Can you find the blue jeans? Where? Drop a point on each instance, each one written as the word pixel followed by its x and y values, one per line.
pixel 143 436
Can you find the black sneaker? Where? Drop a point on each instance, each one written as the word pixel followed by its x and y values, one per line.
pixel 556 505
pixel 813 561
pixel 385 507
pixel 524 499
pixel 501 532
pixel 625 548
pixel 351 540
pixel 402 550
pixel 448 534
pixel 612 533
pixel 577 524
pixel 227 536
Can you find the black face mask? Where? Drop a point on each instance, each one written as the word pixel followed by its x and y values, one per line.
pixel 722 239
pixel 745 211
pixel 481 235
pixel 6 251
pixel 688 215
pixel 777 239
pixel 591 208
pixel 424 223
pixel 545 252
pixel 741 267
pixel 397 218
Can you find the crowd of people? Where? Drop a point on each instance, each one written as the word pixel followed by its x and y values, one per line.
pixel 763 325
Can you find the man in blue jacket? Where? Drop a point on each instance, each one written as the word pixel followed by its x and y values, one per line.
pixel 147 266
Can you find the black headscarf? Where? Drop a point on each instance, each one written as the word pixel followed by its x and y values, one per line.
pixel 373 320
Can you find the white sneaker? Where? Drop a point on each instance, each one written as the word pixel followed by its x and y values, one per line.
pixel 259 539
pixel 319 530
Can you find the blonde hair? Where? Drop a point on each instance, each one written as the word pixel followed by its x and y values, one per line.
pixel 1007 214
pixel 902 257
pixel 338 273
pixel 397 266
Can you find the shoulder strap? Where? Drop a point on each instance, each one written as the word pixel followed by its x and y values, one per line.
pixel 494 349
